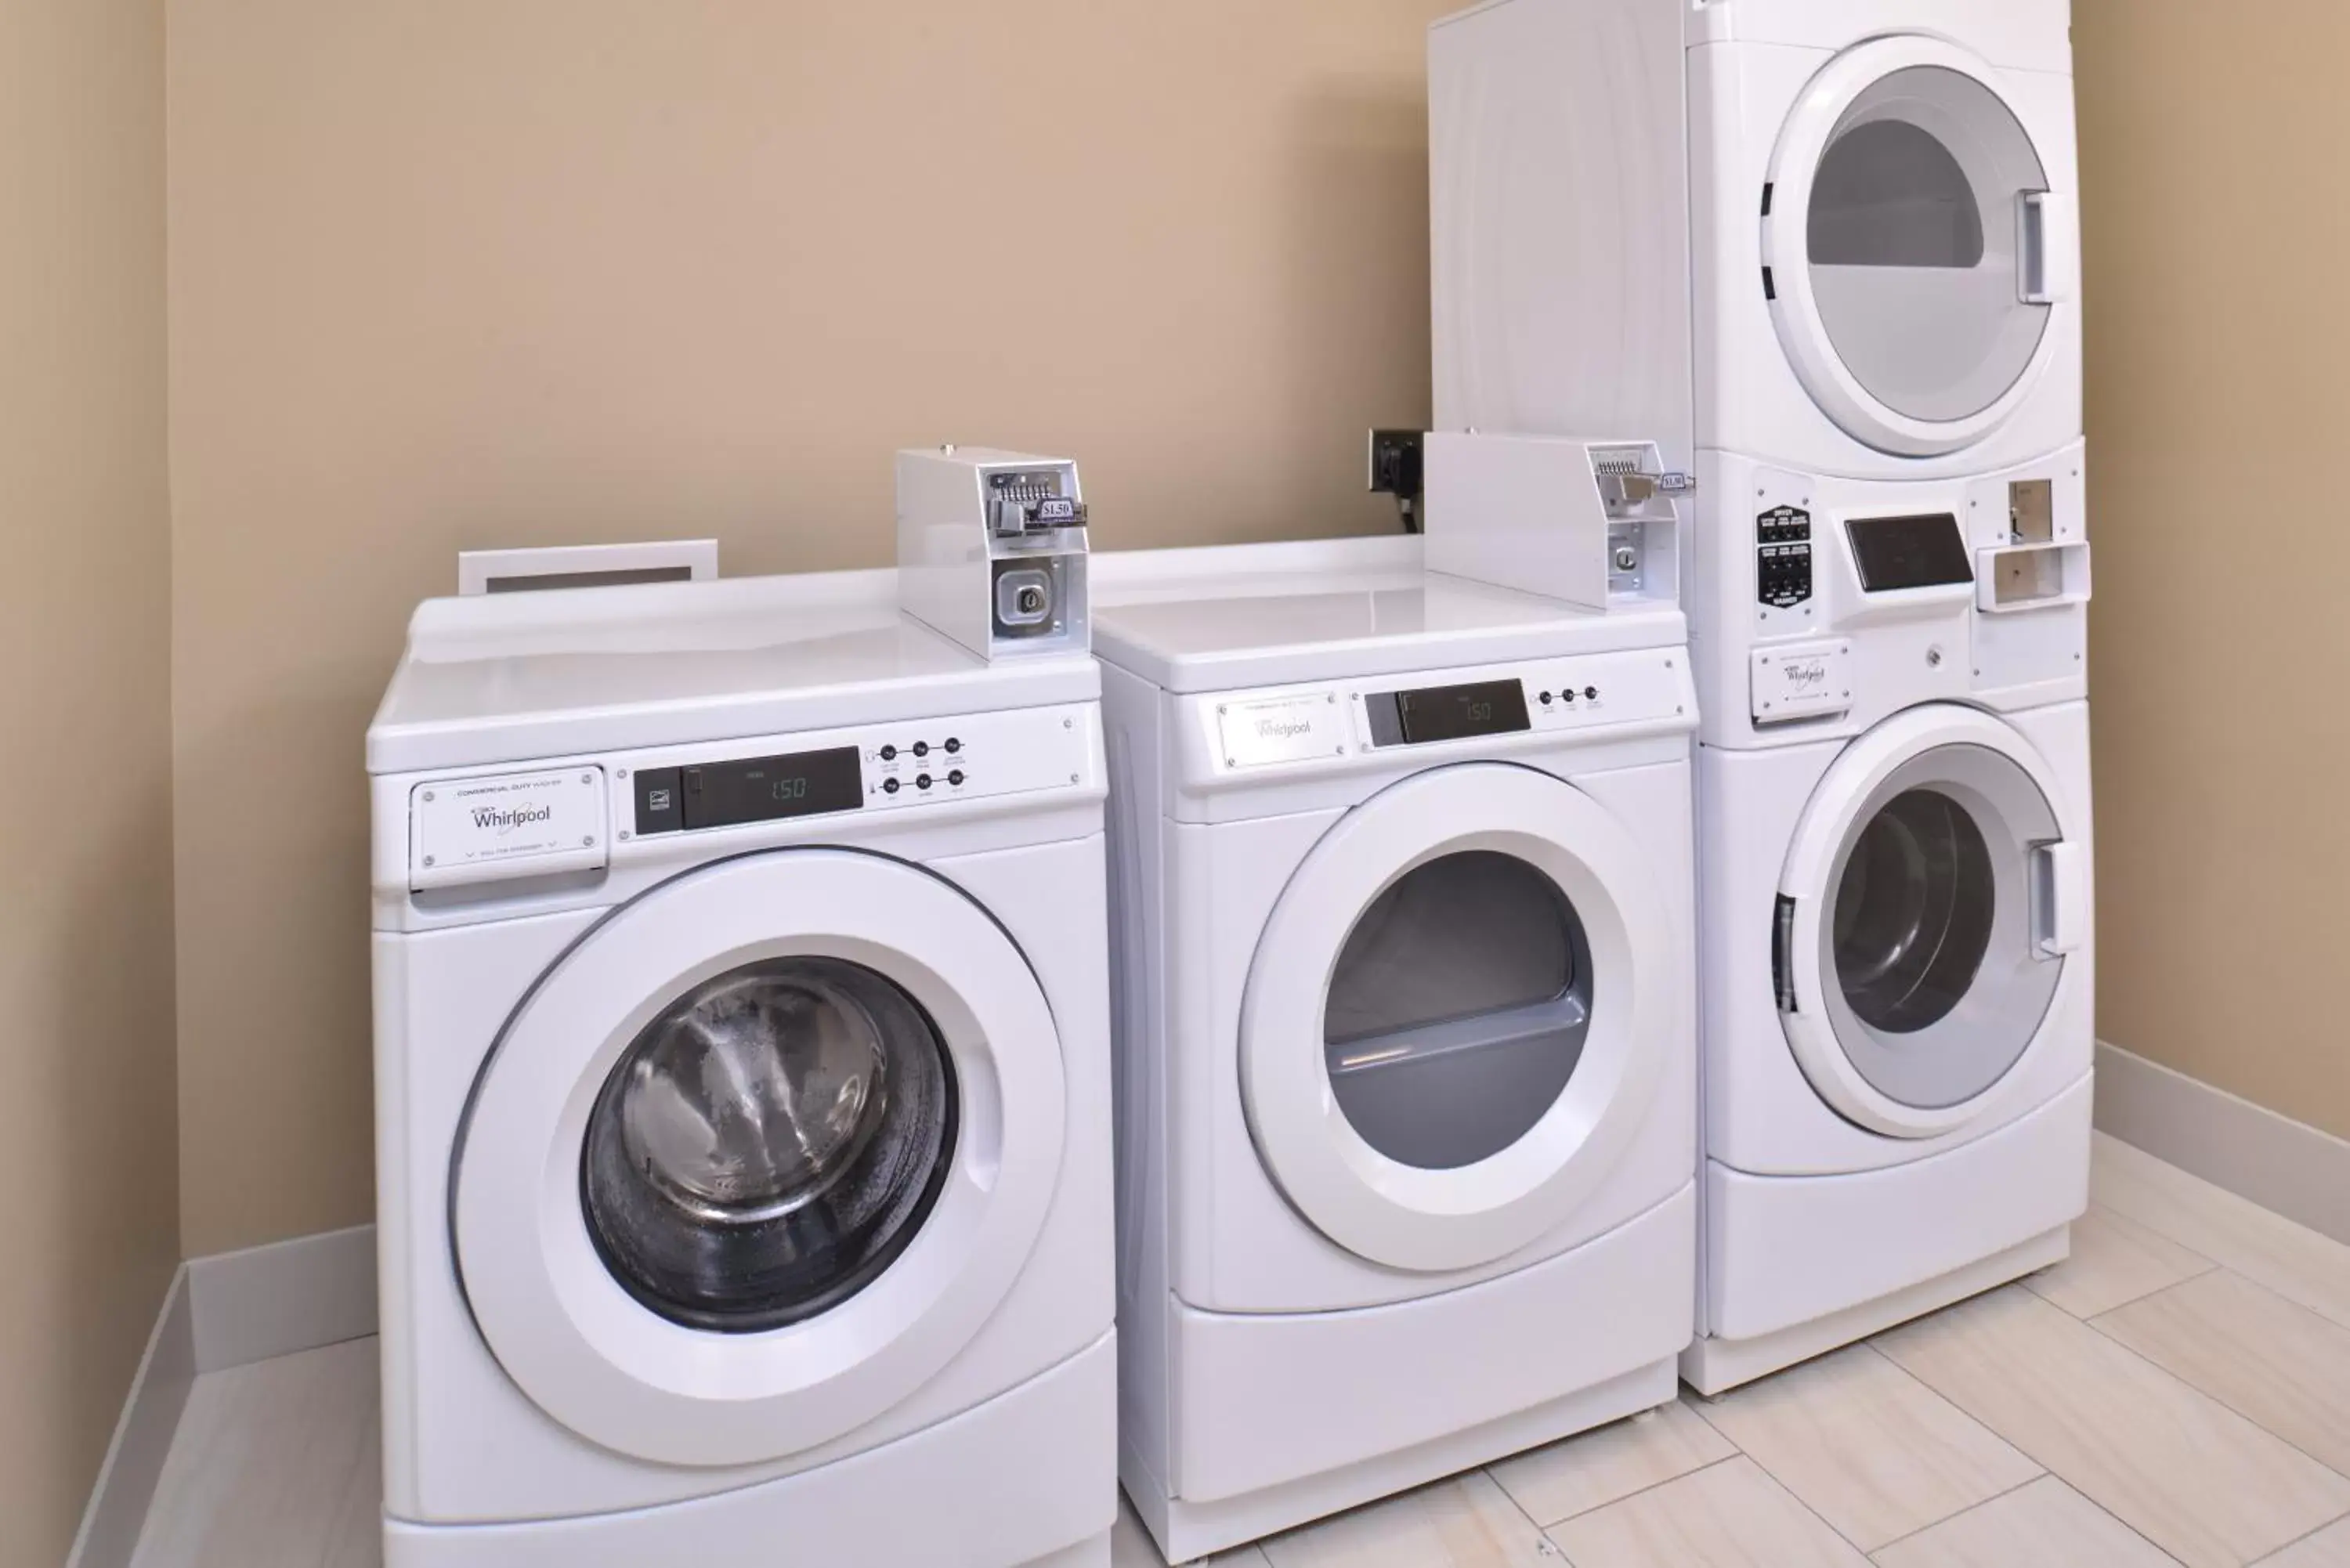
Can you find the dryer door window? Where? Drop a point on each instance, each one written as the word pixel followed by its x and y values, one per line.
pixel 1916 234
pixel 768 1143
pixel 1457 1015
pixel 1916 243
pixel 1458 1009
pixel 1923 925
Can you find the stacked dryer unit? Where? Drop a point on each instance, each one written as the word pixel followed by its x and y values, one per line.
pixel 1827 250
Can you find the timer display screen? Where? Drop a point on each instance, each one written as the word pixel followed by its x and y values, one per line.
pixel 1461 712
pixel 1896 553
pixel 767 789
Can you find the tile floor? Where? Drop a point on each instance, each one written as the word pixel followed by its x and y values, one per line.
pixel 2177 1392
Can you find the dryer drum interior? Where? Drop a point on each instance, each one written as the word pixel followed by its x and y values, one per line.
pixel 1458 1009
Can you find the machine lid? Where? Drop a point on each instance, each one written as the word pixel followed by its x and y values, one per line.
pixel 504 678
pixel 1221 619
pixel 1915 249
pixel 1451 1026
pixel 758 1156
pixel 1930 898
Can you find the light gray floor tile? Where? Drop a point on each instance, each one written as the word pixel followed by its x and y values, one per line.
pixel 2115 1261
pixel 1729 1515
pixel 264 1465
pixel 2179 1468
pixel 2043 1524
pixel 1867 1447
pixel 1598 1467
pixel 1467 1521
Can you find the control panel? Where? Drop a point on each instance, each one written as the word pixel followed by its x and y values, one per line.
pixel 1326 723
pixel 881 768
pixel 489 827
pixel 1782 557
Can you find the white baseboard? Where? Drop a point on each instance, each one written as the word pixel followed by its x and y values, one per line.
pixel 2282 1165
pixel 286 1296
pixel 142 1437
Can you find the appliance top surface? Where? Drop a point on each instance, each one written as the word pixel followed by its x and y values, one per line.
pixel 1255 615
pixel 507 677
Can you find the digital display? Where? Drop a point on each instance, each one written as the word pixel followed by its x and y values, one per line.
pixel 1449 713
pixel 1896 552
pixel 768 789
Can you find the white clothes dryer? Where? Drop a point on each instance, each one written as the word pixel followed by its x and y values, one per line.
pixel 742 1087
pixel 1895 906
pixel 1870 204
pixel 1403 941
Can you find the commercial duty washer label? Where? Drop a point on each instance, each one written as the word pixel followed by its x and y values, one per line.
pixel 1267 730
pixel 512 825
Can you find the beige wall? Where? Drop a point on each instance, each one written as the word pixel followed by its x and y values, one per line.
pixel 2216 216
pixel 88 1173
pixel 464 273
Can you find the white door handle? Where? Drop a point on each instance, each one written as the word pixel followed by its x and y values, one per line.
pixel 2047 248
pixel 2060 896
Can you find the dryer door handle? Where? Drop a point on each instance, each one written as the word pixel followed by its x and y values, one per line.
pixel 2060 899
pixel 1782 954
pixel 2048 249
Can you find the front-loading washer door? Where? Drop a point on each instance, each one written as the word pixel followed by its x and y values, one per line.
pixel 758 1156
pixel 1455 1017
pixel 1914 247
pixel 1930 897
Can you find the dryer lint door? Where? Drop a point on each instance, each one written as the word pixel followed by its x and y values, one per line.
pixel 1916 241
pixel 1450 1031
pixel 1929 904
pixel 758 1156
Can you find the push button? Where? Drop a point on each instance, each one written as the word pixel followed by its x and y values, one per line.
pixel 921 748
pixel 890 786
pixel 953 745
pixel 956 777
pixel 660 805
pixel 889 753
pixel 924 782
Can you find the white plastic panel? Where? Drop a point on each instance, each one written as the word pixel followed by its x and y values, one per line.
pixel 1784 1250
pixel 1338 1383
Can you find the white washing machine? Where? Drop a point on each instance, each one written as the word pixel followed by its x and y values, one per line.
pixel 1870 202
pixel 743 1077
pixel 1403 940
pixel 1896 903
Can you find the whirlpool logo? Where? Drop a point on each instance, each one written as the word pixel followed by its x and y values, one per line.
pixel 506 819
pixel 1284 729
pixel 1805 676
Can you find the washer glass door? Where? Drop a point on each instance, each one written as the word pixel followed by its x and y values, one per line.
pixel 769 1143
pixel 758 1156
pixel 1920 941
pixel 1458 1015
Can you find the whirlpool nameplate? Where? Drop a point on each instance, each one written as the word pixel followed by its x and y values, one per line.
pixel 513 824
pixel 1264 730
pixel 1801 680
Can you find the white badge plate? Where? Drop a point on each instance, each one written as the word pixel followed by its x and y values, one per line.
pixel 513 825
pixel 1801 680
pixel 1268 730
